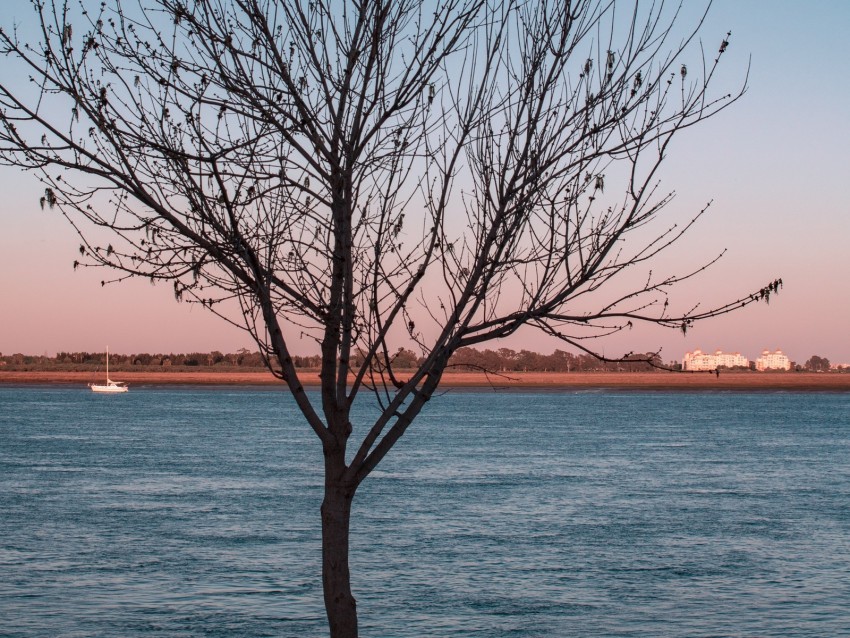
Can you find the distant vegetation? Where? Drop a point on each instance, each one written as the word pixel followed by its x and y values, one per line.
pixel 503 360
pixel 243 359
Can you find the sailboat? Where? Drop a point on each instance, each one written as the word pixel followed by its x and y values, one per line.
pixel 111 386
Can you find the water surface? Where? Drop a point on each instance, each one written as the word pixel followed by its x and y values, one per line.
pixel 194 512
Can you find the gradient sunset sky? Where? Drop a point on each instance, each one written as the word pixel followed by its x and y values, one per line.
pixel 775 165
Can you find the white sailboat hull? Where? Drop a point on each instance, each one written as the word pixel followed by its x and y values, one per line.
pixel 110 387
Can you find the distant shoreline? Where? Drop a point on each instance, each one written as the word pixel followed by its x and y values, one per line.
pixel 668 381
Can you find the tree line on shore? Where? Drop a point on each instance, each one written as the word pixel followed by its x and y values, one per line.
pixel 501 360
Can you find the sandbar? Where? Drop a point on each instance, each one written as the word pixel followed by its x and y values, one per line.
pixel 666 381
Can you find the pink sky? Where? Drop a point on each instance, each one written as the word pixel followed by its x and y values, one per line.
pixel 775 166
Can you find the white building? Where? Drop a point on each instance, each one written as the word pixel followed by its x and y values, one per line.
pixel 731 360
pixel 699 360
pixel 773 361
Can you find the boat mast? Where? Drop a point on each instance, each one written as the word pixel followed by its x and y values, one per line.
pixel 107 364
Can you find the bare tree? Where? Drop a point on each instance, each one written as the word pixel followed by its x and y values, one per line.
pixel 373 175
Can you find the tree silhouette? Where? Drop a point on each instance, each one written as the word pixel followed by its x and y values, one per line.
pixel 817 364
pixel 372 176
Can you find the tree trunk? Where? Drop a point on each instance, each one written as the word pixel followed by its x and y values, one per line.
pixel 336 581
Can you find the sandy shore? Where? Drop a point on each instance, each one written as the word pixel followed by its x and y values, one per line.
pixel 519 380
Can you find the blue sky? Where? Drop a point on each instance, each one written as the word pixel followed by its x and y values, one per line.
pixel 775 166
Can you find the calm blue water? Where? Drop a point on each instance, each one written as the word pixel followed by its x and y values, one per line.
pixel 194 512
